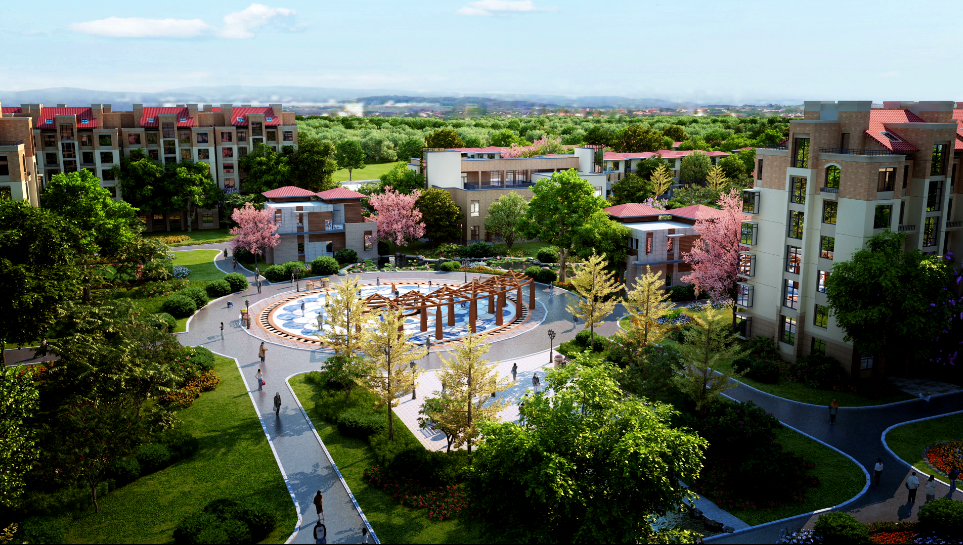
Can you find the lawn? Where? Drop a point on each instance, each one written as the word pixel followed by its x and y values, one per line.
pixel 198 236
pixel 201 264
pixel 393 523
pixel 839 480
pixel 234 461
pixel 369 172
pixel 909 441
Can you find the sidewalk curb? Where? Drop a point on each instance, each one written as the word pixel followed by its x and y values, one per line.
pixel 893 454
pixel 287 381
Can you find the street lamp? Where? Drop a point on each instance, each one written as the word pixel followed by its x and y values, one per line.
pixel 414 394
pixel 551 343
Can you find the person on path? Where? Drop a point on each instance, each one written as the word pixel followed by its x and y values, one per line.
pixel 429 285
pixel 535 382
pixel 222 331
pixel 926 400
pixel 878 470
pixel 319 505
pixel 514 371
pixel 323 537
pixel 230 304
pixel 234 263
pixel 954 474
pixel 931 488
pixel 833 409
pixel 247 303
pixel 277 403
pixel 262 352
pixel 260 381
pixel 912 484
pixel 378 284
pixel 302 308
pixel 364 536
pixel 259 286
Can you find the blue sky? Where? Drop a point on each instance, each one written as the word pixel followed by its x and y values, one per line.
pixel 677 49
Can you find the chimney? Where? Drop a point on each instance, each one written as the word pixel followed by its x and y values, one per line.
pixel 138 113
pixel 228 111
pixel 192 110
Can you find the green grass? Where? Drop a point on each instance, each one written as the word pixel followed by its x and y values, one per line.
pixel 369 172
pixel 392 522
pixel 200 263
pixel 198 236
pixel 234 461
pixel 802 393
pixel 909 441
pixel 839 480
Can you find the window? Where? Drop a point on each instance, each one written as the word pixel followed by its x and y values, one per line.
pixel 759 171
pixel 277 217
pixel 300 220
pixel 207 217
pixel 790 294
pixel 169 147
pixel 798 194
pixel 744 295
pixel 288 136
pixel 112 190
pixel 186 154
pixel 241 135
pixel 788 330
pixel 241 151
pixel 153 154
pixel 4 167
pixel 203 155
pixel 745 264
pixel 473 208
pixel 368 240
pixel 272 136
pixel 67 132
pixel 821 281
pixel 821 316
pixel 934 196
pixel 827 245
pixel 882 216
pixel 887 179
pixel 227 136
pixel 107 157
pixel 228 183
pixel 929 231
pixel 152 138
pixel 615 165
pixel 328 225
pixel 229 168
pixel 167 130
pixel 866 362
pixel 70 166
pixel 227 153
pixel 833 174
pixel 830 209
pixel 938 164
pixel 184 137
pixel 68 151
pixel 648 243
pixel 819 346
pixel 104 140
pixel 750 202
pixel 668 279
pixel 51 158
pixel 133 139
pixel 256 129
pixel 669 245
pixel 475 230
pixel 797 222
pixel 107 174
pixel 202 138
pixel 87 157
pixel 793 259
pixel 49 139
pixel 170 160
pixel 800 154
pixel 748 233
pixel 87 139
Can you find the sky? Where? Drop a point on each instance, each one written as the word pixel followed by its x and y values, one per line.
pixel 689 50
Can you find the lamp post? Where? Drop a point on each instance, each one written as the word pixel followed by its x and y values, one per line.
pixel 414 394
pixel 551 344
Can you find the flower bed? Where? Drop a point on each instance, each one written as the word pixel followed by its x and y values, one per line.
pixel 883 533
pixel 943 456
pixel 442 502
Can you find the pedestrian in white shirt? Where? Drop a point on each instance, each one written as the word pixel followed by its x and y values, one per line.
pixel 912 484
pixel 931 488
pixel 878 470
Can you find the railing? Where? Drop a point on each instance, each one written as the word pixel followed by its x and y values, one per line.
pixel 10 142
pixel 476 187
pixel 906 228
pixel 829 190
pixel 866 152
pixel 774 147
pixel 953 224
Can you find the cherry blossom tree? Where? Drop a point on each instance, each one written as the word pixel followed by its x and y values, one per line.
pixel 256 230
pixel 715 255
pixel 399 220
pixel 542 146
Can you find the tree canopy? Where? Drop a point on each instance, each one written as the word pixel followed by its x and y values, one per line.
pixel 440 214
pixel 505 217
pixel 636 138
pixel 266 169
pixel 350 155
pixel 444 138
pixel 695 168
pixel 312 164
pixel 633 187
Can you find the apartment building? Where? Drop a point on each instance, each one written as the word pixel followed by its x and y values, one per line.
pixel 66 139
pixel 19 176
pixel 617 165
pixel 313 225
pixel 846 172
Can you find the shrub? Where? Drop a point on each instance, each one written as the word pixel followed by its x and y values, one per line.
pixel 199 528
pixel 943 516
pixel 158 269
pixel 291 266
pixel 818 371
pixel 533 272
pixel 197 294
pixel 153 457
pixel 260 520
pixel 243 255
pixel 218 288
pixel 682 293
pixel 179 306
pixel 237 281
pixel 174 239
pixel 179 442
pixel 275 273
pixel 764 371
pixel 346 256
pixel 41 530
pixel 181 271
pixel 449 266
pixel 353 423
pixel 429 468
pixel 226 521
pixel 162 321
pixel 584 338
pixel 479 250
pixel 450 250
pixel 200 356
pixel 546 276
pixel 762 347
pixel 126 470
pixel 547 255
pixel 743 364
pixel 841 528
pixel 324 266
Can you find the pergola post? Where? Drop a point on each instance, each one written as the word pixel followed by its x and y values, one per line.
pixel 498 308
pixel 491 302
pixel 451 311
pixel 531 294
pixel 518 302
pixel 438 332
pixel 472 312
pixel 424 317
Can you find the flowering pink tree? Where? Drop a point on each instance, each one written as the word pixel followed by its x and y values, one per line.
pixel 542 146
pixel 715 256
pixel 399 220
pixel 256 229
pixel 654 203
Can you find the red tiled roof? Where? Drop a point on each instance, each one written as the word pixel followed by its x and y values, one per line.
pixel 154 113
pixel 81 113
pixel 216 109
pixel 239 116
pixel 696 212
pixel 877 125
pixel 11 110
pixel 958 116
pixel 288 191
pixel 339 193
pixel 632 210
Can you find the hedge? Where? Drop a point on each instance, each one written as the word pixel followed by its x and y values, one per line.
pixel 218 288
pixel 325 265
pixel 179 306
pixel 346 256
pixel 237 281
pixel 197 294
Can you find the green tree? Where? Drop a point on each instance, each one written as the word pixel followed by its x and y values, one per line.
pixel 440 214
pixel 594 286
pixel 733 167
pixel 631 188
pixel 709 342
pixel 688 196
pixel 646 167
pixel 444 138
pixel 410 148
pixel 505 217
pixel 105 223
pixel 598 135
pixel 389 354
pixel 675 132
pixel 561 205
pixel 17 439
pixel 345 326
pixel 600 234
pixel 266 169
pixel 378 149
pixel 312 164
pixel 716 180
pixel 770 138
pixel 661 180
pixel 139 175
pixel 583 458
pixel 191 187
pixel 402 179
pixel 647 305
pixel 505 138
pixel 636 138
pixel 350 155
pixel 695 168
pixel 889 302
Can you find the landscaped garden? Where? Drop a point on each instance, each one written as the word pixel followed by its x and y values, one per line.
pixel 940 523
pixel 193 237
pixel 912 443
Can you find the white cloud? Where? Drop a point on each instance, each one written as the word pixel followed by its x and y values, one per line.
pixel 238 26
pixel 493 7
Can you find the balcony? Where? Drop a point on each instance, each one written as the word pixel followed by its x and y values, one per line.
pixel 954 225
pixel 906 229
pixel 11 142
pixel 516 185
pixel 864 152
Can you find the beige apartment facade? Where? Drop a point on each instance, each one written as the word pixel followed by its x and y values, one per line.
pixel 19 176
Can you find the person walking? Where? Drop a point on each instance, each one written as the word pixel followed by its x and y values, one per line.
pixel 429 285
pixel 535 382
pixel 378 284
pixel 954 474
pixel 514 371
pixel 912 484
pixel 247 303
pixel 931 488
pixel 260 381
pixel 230 304
pixel 234 263
pixel 926 400
pixel 319 505
pixel 878 470
pixel 277 403
pixel 364 536
pixel 320 533
pixel 833 409
pixel 259 286
pixel 262 352
pixel 222 331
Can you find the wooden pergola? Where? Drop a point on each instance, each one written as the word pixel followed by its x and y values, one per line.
pixel 493 288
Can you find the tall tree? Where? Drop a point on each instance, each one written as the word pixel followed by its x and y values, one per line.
pixel 192 187
pixel 585 457
pixel 17 439
pixel 598 135
pixel 631 188
pixel 256 230
pixel 661 180
pixel 695 167
pixel 675 132
pixel 440 214
pixel 647 305
pixel 716 180
pixel 505 138
pixel 350 155
pixel 469 381
pixel 345 326
pixel 266 169
pixel 714 257
pixel 636 138
pixel 391 354
pixel 139 175
pixel 646 167
pixel 105 223
pixel 410 148
pixel 444 138
pixel 601 234
pixel 399 220
pixel 505 217
pixel 708 343
pixel 595 286
pixel 561 205
pixel 312 164
pixel 402 179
